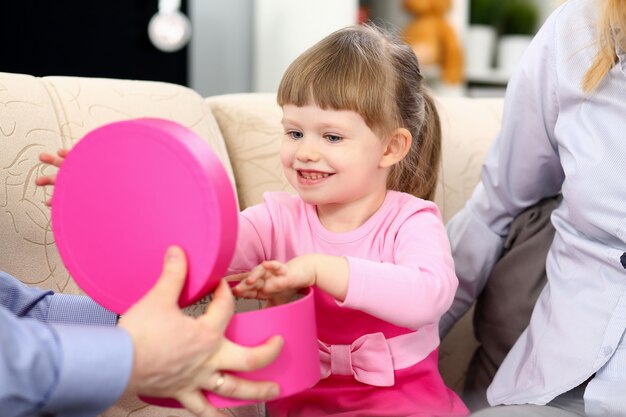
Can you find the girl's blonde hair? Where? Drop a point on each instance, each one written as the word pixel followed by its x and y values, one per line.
pixel 611 24
pixel 366 70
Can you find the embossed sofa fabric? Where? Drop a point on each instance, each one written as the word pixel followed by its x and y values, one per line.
pixel 44 114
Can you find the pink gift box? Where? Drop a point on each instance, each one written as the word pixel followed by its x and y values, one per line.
pixel 130 189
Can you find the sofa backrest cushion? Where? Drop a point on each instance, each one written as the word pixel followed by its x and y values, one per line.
pixel 251 127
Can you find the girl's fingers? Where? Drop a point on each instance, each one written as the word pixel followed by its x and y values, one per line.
pixel 277 268
pixel 255 275
pixel 46 157
pixel 264 280
pixel 246 294
pixel 236 277
pixel 53 159
pixel 277 285
pixel 46 180
pixel 247 288
pixel 273 264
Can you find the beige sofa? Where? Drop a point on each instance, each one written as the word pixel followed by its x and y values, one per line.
pixel 44 114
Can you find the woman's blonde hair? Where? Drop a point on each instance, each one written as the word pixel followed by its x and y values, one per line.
pixel 611 33
pixel 366 70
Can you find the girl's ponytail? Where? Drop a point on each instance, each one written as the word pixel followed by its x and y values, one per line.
pixel 417 173
pixel 429 151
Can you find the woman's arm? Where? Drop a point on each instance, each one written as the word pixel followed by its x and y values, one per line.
pixel 521 167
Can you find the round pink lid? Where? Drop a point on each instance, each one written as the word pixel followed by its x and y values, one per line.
pixel 126 192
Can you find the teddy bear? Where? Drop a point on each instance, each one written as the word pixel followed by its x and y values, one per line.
pixel 433 39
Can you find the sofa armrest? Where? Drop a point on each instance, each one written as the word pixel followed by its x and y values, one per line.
pixel 45 114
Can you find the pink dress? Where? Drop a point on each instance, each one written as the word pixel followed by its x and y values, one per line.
pixel 378 348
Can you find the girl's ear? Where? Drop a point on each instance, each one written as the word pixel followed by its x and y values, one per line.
pixel 397 147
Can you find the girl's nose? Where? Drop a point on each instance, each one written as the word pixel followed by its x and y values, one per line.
pixel 307 151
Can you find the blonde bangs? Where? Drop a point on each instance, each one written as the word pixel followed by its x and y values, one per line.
pixel 338 74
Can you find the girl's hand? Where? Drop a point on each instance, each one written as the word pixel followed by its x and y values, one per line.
pixel 54 160
pixel 277 282
pixel 277 299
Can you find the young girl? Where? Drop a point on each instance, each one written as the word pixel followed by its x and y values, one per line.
pixel 361 148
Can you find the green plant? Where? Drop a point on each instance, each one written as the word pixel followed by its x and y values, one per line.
pixel 519 17
pixel 481 12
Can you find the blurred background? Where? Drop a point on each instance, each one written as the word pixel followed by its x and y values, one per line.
pixel 465 47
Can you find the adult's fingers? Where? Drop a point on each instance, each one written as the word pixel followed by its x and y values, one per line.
pixel 169 285
pixel 234 357
pixel 196 403
pixel 235 387
pixel 221 308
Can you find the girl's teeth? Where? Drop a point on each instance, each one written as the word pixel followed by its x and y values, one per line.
pixel 310 176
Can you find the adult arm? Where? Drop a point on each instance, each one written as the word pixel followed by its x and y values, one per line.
pixel 60 369
pixel 157 351
pixel 50 307
pixel 521 167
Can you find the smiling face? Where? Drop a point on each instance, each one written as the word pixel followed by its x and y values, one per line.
pixel 331 156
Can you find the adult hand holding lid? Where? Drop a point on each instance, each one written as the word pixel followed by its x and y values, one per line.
pixel 126 192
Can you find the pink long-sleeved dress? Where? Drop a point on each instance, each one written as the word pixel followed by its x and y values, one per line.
pixel 401 282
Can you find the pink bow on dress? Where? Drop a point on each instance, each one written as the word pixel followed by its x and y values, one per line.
pixel 368 359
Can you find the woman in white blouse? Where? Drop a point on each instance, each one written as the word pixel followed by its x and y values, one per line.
pixel 564 130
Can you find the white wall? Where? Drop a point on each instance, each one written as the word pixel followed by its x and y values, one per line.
pixel 285 28
pixel 220 52
pixel 246 45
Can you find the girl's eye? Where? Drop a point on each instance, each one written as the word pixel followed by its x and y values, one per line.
pixel 294 134
pixel 333 138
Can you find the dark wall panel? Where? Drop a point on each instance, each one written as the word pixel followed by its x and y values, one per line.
pixel 94 38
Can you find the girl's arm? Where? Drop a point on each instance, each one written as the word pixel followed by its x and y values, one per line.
pixel 254 234
pixel 417 287
pixel 270 278
pixel 414 290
